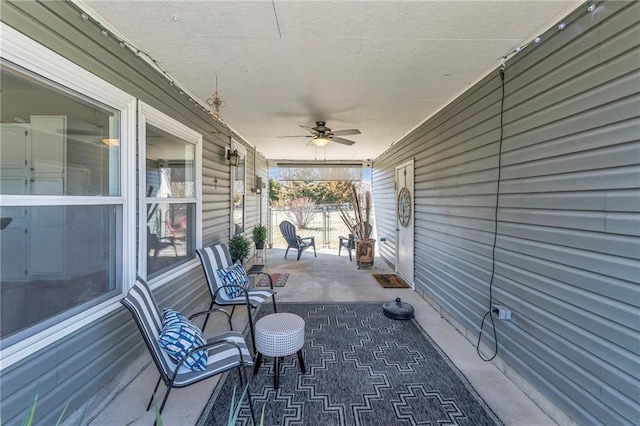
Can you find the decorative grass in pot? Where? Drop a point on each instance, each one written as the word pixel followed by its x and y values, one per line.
pixel 259 234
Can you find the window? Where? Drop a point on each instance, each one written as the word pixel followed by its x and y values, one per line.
pixel 171 208
pixel 63 207
pixel 238 177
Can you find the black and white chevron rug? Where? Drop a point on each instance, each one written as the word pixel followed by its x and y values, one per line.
pixel 362 368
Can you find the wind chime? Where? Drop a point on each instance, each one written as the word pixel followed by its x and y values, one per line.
pixel 216 102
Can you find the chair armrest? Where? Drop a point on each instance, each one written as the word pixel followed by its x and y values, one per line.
pixel 307 238
pixel 246 291
pixel 209 311
pixel 206 346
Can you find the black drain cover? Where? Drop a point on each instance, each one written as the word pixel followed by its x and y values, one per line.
pixel 398 310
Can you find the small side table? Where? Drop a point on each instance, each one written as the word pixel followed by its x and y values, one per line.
pixel 279 335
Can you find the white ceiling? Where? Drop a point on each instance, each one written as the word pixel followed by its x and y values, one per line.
pixel 379 66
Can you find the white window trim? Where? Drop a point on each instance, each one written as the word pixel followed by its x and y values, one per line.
pixel 27 53
pixel 232 174
pixel 149 115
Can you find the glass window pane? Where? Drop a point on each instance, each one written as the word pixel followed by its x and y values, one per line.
pixel 170 235
pixel 54 260
pixel 170 165
pixel 238 196
pixel 54 141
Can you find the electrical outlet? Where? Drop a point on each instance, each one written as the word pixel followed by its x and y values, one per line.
pixel 500 312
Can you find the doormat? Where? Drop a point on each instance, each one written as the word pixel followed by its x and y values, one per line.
pixel 279 280
pixel 362 368
pixel 390 281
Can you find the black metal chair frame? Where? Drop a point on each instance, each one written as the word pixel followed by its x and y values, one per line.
pixel 222 259
pixel 169 377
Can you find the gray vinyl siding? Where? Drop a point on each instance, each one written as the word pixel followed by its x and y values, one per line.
pixel 74 368
pixel 568 246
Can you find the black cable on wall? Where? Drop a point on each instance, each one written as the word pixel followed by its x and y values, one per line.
pixel 495 237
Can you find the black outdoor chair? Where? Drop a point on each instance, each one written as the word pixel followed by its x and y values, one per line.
pixel 225 351
pixel 293 241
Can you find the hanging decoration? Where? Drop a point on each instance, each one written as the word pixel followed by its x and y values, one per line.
pixel 216 102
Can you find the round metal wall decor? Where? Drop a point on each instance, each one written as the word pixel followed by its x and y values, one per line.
pixel 404 207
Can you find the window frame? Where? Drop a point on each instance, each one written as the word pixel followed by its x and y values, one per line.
pixel 150 115
pixel 242 152
pixel 34 57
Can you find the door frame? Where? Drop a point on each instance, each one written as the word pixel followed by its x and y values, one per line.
pixel 410 167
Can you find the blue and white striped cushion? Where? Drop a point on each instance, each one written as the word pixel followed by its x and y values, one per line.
pixel 234 275
pixel 179 336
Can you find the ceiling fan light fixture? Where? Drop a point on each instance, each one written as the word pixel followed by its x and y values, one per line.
pixel 320 141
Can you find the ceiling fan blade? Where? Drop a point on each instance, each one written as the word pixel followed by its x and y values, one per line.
pixel 296 136
pixel 309 129
pixel 341 140
pixel 346 132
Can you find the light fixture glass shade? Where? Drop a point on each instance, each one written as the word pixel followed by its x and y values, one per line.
pixel 320 141
pixel 233 158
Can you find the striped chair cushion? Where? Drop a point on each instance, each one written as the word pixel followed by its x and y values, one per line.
pixel 179 336
pixel 234 275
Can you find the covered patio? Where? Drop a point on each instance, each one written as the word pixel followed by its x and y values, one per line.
pixel 327 278
pixel 501 141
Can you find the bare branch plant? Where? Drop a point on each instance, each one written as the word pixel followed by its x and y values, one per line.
pixel 361 223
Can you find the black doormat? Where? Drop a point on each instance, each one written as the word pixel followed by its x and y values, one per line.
pixel 390 281
pixel 362 368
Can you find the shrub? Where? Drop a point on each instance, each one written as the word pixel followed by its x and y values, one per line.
pixel 302 211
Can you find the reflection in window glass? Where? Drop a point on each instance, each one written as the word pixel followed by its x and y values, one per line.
pixel 54 260
pixel 54 141
pixel 171 202
pixel 170 235
pixel 238 196
pixel 170 165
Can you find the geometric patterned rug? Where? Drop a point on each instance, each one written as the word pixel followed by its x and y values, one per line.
pixel 362 368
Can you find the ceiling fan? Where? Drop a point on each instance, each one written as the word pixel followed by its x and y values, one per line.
pixel 321 135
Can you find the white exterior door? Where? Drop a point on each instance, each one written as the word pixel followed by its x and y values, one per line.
pixel 404 221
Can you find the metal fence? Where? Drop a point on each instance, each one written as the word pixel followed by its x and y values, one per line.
pixel 326 225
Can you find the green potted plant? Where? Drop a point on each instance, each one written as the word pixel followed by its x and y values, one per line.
pixel 259 234
pixel 239 248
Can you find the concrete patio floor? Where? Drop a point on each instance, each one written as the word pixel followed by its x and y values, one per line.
pixel 327 278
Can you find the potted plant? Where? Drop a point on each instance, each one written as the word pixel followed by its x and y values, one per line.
pixel 239 248
pixel 259 234
pixel 360 226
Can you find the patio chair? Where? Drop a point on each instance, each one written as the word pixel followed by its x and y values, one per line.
pixel 350 242
pixel 218 257
pixel 293 241
pixel 347 242
pixel 225 351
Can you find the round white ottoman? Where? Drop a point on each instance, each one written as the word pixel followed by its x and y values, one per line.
pixel 279 335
